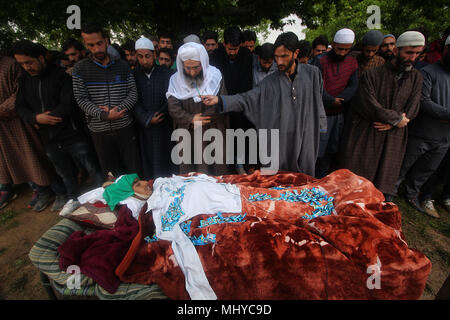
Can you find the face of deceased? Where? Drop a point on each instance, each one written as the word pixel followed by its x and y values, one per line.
pixel 142 188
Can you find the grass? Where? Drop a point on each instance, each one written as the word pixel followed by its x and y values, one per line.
pixel 20 283
pixel 20 263
pixel 420 231
pixel 9 214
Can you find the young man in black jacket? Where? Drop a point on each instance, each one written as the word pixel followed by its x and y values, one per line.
pixel 46 101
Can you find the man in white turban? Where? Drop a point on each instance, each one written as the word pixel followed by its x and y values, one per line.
pixel 195 77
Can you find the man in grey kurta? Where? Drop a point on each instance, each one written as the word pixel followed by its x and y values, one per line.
pixel 387 99
pixel 289 100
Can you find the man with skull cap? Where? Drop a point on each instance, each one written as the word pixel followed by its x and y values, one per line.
pixel 368 57
pixel 155 125
pixel 387 47
pixel 429 137
pixel 340 82
pixel 387 99
pixel 196 77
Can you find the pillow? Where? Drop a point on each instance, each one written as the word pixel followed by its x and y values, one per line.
pixel 94 215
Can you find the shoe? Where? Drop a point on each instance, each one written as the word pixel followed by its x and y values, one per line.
pixel 59 203
pixel 428 206
pixel 6 197
pixel 34 200
pixel 44 200
pixel 446 203
pixel 69 207
pixel 416 204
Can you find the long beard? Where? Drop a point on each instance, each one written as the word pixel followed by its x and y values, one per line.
pixel 194 81
pixel 386 56
pixel 337 57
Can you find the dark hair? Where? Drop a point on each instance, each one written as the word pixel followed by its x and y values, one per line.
pixel 119 50
pixel 165 35
pixel 323 40
pixel 153 38
pixel 287 39
pixel 248 35
pixel 29 48
pixel 169 52
pixel 266 51
pixel 71 42
pixel 232 35
pixel 210 35
pixel 90 27
pixel 129 45
pixel 61 56
pixel 305 49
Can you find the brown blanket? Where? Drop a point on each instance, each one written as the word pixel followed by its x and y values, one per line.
pixel 278 254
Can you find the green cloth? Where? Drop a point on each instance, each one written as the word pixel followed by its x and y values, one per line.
pixel 119 190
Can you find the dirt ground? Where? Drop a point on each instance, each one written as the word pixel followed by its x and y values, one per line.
pixel 20 228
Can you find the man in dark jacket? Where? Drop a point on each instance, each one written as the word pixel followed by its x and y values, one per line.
pixel 105 90
pixel 236 65
pixel 429 133
pixel 155 125
pixel 45 100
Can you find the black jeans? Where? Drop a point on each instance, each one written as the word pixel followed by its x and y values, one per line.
pixel 442 175
pixel 63 156
pixel 422 159
pixel 118 151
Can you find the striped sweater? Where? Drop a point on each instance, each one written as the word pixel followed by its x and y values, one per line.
pixel 95 85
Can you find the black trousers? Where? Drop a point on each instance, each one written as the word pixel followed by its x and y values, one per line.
pixel 118 151
pixel 441 175
pixel 422 159
pixel 63 156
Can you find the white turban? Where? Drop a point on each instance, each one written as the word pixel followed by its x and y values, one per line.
pixel 344 36
pixel 144 43
pixel 410 39
pixel 189 53
pixel 178 84
pixel 192 38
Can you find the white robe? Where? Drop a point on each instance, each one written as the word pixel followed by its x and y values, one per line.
pixel 202 195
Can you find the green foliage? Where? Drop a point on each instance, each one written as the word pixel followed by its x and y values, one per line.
pixel 396 17
pixel 45 21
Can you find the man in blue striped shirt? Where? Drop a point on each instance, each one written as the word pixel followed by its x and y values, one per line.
pixel 105 90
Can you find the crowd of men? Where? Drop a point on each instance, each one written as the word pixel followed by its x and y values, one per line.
pixel 379 106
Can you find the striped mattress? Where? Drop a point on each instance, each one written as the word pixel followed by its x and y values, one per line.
pixel 44 255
